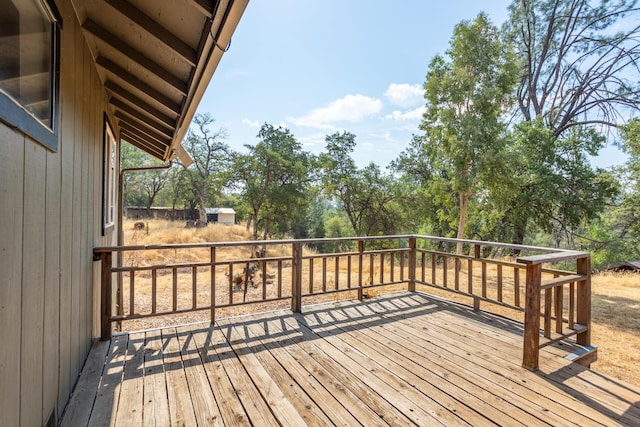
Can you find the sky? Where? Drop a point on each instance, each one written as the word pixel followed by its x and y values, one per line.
pixel 318 67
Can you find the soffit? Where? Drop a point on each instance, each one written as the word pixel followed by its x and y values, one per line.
pixel 155 59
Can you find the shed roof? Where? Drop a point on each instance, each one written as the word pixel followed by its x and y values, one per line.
pixel 625 265
pixel 220 211
pixel 155 59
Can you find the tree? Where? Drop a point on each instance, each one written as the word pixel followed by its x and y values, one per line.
pixel 367 196
pixel 577 70
pixel 578 78
pixel 211 159
pixel 466 94
pixel 274 179
pixel 140 188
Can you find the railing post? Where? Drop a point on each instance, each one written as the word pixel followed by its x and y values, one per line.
pixel 532 317
pixel 583 300
pixel 412 264
pixel 106 295
pixel 296 279
pixel 360 265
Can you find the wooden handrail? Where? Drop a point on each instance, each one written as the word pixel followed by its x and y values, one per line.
pixel 410 269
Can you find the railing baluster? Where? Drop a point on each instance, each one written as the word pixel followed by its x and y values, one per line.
pixel 324 275
pixel 444 270
pixel 456 274
pixel 336 273
pixel 516 286
pixel 559 304
pixel 212 258
pixel 371 270
pixel 279 278
pixel 572 304
pixel 547 313
pixel 360 266
pixel 296 278
pixel 175 288
pixel 311 275
pixel 434 262
pixel 154 291
pixel 132 292
pixel 470 276
pixel 499 282
pixel 348 271
pixel 484 279
pixel 194 287
pixel 393 267
pixel 401 266
pixel 423 266
pixel 231 283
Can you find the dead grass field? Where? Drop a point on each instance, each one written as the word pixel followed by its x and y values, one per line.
pixel 615 296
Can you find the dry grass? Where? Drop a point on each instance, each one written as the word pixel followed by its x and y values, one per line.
pixel 615 296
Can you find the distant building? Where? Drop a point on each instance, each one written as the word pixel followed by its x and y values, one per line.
pixel 226 216
pixel 624 266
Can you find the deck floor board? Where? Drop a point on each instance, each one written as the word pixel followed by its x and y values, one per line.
pixel 399 359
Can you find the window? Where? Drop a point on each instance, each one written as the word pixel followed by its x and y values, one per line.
pixel 110 178
pixel 29 68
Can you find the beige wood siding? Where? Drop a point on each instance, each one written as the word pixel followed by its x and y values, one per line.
pixel 50 219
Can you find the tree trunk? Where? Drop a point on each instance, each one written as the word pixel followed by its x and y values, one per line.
pixel 202 203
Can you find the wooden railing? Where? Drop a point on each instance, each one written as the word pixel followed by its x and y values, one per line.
pixel 162 280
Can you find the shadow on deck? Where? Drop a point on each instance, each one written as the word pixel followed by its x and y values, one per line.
pixel 400 359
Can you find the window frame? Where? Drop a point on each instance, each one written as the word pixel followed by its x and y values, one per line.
pixel 110 175
pixel 14 114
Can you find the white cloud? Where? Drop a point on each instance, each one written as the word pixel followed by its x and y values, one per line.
pixel 404 94
pixel 253 124
pixel 351 108
pixel 415 114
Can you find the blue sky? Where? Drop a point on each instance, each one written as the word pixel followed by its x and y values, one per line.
pixel 321 66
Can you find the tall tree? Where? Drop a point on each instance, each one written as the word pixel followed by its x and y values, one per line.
pixel 579 65
pixel 466 93
pixel 211 159
pixel 580 61
pixel 274 179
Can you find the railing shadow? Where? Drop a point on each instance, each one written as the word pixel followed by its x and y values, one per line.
pixel 607 388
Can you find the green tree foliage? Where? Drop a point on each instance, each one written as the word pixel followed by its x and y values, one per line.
pixel 274 180
pixel 466 92
pixel 368 196
pixel 576 83
pixel 208 173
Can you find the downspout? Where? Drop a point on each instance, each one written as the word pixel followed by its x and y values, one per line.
pixel 120 241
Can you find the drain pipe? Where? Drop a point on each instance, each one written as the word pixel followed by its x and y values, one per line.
pixel 120 240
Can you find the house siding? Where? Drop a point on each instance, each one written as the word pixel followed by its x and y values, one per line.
pixel 50 219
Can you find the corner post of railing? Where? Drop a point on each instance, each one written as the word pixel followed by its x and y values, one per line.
pixel 360 265
pixel 532 316
pixel 106 295
pixel 583 300
pixel 296 285
pixel 412 264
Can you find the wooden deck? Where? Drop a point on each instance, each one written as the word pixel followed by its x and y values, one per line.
pixel 400 359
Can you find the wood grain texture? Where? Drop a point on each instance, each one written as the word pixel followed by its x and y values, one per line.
pixel 399 359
